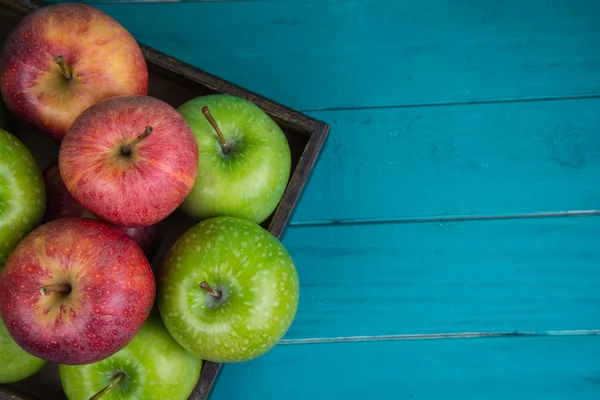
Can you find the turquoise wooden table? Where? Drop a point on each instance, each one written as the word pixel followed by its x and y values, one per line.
pixel 448 243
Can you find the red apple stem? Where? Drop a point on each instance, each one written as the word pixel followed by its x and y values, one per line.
pixel 127 149
pixel 60 60
pixel 113 382
pixel 55 289
pixel 204 285
pixel 213 123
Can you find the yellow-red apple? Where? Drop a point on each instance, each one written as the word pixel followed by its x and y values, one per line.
pixel 61 59
pixel 75 291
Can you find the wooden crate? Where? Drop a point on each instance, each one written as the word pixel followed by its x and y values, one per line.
pixel 175 82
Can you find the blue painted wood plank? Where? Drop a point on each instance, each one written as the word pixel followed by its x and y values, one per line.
pixel 355 53
pixel 477 276
pixel 489 369
pixel 509 158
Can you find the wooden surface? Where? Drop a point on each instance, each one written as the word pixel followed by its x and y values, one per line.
pixel 447 243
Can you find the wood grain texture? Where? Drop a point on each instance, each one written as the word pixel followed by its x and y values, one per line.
pixel 478 276
pixel 403 163
pixel 354 53
pixel 563 368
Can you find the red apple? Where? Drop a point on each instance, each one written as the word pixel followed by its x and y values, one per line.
pixel 130 160
pixel 75 291
pixel 62 58
pixel 147 237
pixel 60 204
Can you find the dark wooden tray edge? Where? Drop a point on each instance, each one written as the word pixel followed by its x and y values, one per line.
pixel 213 82
pixel 298 181
pixel 208 377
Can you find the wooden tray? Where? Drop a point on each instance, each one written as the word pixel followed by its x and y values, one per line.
pixel 174 82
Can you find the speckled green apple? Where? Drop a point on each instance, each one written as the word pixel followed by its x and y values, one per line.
pixel 22 193
pixel 244 159
pixel 17 364
pixel 152 366
pixel 228 290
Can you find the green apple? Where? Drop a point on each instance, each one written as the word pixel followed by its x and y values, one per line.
pixel 244 159
pixel 152 366
pixel 17 364
pixel 22 193
pixel 228 290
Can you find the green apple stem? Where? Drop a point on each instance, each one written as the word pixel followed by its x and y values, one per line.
pixel 213 123
pixel 60 60
pixel 126 151
pixel 204 285
pixel 113 382
pixel 55 289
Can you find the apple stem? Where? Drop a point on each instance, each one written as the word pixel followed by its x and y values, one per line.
pixel 55 289
pixel 213 123
pixel 113 382
pixel 60 60
pixel 204 285
pixel 126 151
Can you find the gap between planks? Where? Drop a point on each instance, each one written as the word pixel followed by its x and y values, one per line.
pixel 583 96
pixel 438 336
pixel 443 219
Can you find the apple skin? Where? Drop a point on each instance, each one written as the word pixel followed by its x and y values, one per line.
pixel 247 182
pixel 254 273
pixel 155 365
pixel 136 190
pixel 103 57
pixel 17 364
pixel 22 193
pixel 147 237
pixel 112 291
pixel 60 204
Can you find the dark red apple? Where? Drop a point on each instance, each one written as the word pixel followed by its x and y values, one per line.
pixel 60 204
pixel 75 291
pixel 130 160
pixel 62 58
